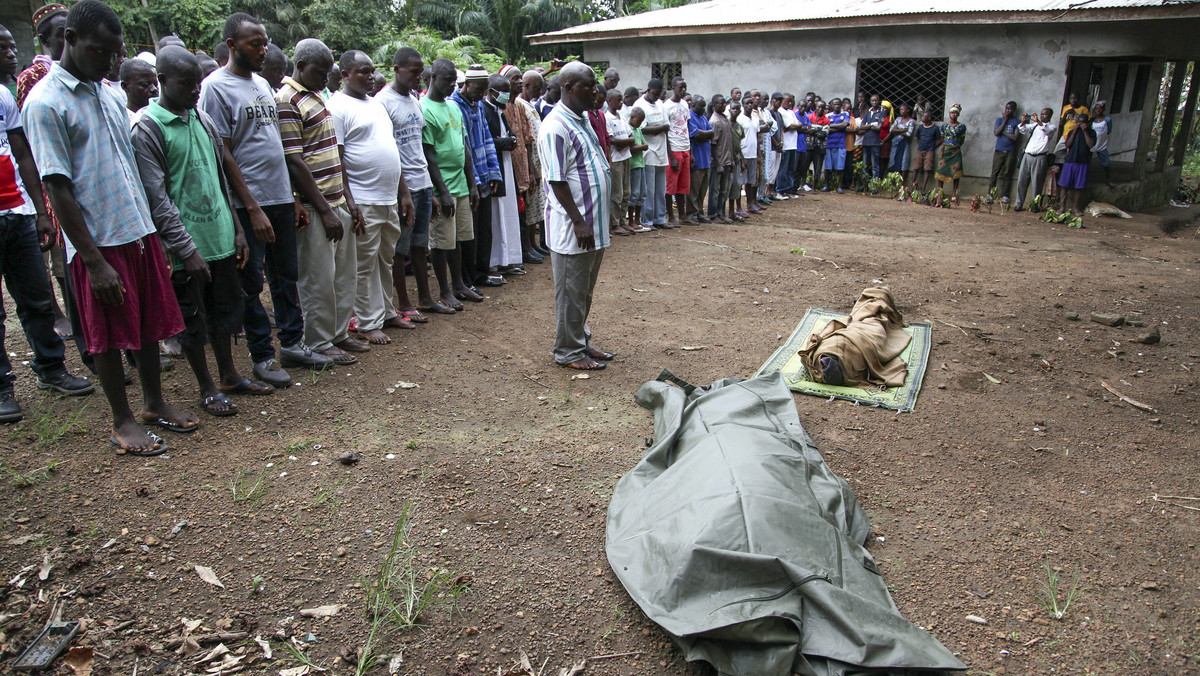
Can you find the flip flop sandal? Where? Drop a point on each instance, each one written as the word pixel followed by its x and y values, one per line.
pixel 148 453
pixel 221 398
pixel 438 308
pixel 601 355
pixel 577 365
pixel 619 233
pixel 172 427
pixel 415 316
pixel 247 386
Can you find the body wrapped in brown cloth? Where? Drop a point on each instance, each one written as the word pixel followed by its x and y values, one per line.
pixel 863 351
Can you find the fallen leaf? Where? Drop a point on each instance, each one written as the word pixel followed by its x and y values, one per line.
pixel 991 378
pixel 407 386
pixel 209 576
pixel 213 654
pixel 44 570
pixel 80 660
pixel 188 648
pixel 265 645
pixel 321 611
pixel 227 664
pixel 577 668
pixel 26 539
pixel 190 625
pixel 395 663
pixel 301 670
pixel 692 348
pixel 639 290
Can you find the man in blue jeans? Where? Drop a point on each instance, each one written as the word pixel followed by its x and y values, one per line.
pixel 243 109
pixel 1004 159
pixel 24 224
pixel 872 123
pixel 654 129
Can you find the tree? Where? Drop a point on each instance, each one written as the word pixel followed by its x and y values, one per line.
pixel 343 25
pixel 502 24
pixel 463 50
pixel 196 22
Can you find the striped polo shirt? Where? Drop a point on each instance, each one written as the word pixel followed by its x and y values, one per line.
pixel 571 153
pixel 307 127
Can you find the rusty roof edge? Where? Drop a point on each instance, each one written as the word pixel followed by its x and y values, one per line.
pixel 1170 9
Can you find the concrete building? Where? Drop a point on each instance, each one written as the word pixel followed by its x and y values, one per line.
pixel 975 53
pixel 16 16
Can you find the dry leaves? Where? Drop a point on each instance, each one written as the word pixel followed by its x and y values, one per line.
pixel 80 660
pixel 321 611
pixel 208 576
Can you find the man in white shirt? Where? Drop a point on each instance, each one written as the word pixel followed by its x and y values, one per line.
pixel 655 128
pixel 1035 160
pixel 620 136
pixel 679 145
pixel 401 101
pixel 372 164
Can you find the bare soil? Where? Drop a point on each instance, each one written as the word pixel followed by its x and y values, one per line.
pixel 511 463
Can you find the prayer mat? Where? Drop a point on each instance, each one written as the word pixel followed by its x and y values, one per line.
pixel 788 362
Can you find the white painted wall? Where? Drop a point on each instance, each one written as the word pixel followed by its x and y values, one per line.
pixel 989 64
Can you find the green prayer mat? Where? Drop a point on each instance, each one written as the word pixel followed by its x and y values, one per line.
pixel 787 360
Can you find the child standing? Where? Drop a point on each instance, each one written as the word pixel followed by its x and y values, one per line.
pixel 637 171
pixel 929 136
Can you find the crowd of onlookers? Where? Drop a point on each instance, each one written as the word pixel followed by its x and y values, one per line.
pixel 164 193
pixel 728 157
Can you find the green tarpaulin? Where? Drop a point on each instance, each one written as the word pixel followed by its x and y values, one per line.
pixel 735 537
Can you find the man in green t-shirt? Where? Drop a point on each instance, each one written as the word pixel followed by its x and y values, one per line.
pixel 453 176
pixel 179 158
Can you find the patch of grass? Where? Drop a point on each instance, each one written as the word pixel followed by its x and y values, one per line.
pixel 299 446
pixel 247 487
pixel 618 615
pixel 799 250
pixel 28 479
pixel 328 497
pixel 297 655
pixel 1050 594
pixel 398 594
pixel 50 427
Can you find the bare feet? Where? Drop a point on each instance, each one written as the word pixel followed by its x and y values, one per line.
pixel 353 345
pixel 451 302
pixel 173 417
pixel 375 337
pixel 132 438
pixel 339 356
pixel 398 323
pixel 586 364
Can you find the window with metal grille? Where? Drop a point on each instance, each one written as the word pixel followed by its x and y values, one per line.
pixel 1140 84
pixel 902 80
pixel 665 71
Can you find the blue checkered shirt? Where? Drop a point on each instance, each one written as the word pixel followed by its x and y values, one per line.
pixel 80 130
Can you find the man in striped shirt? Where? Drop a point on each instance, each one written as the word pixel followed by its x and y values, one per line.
pixel 328 262
pixel 576 175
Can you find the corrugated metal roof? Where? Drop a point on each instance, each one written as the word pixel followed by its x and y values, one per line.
pixel 716 13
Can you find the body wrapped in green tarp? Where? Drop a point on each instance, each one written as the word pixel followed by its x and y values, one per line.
pixel 734 535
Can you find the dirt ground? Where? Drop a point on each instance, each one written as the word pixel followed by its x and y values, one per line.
pixel 510 463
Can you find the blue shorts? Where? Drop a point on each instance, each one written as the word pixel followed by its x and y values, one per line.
pixel 835 159
pixel 1102 155
pixel 418 235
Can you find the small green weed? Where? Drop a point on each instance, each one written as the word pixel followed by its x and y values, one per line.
pixel 798 250
pixel 246 487
pixel 400 592
pixel 1050 595
pixel 50 427
pixel 328 497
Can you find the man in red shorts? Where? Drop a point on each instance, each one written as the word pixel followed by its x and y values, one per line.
pixel 679 147
pixel 79 133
